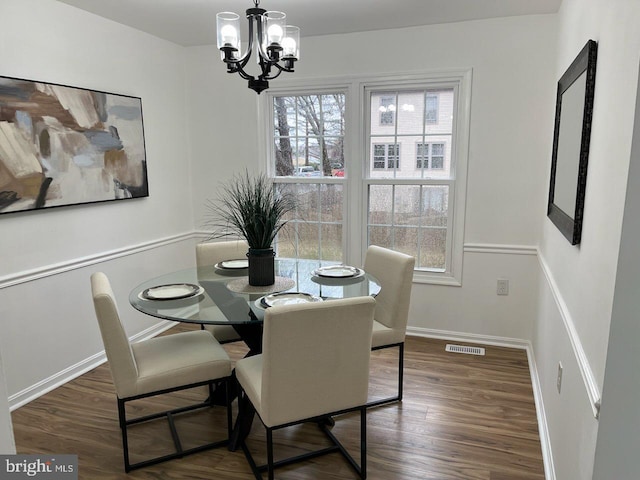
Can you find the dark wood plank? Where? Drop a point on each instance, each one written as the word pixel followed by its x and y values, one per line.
pixel 463 417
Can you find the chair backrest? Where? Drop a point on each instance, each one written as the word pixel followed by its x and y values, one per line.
pixel 394 271
pixel 315 358
pixel 210 253
pixel 116 343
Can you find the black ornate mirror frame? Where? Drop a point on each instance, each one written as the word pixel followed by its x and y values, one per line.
pixel 570 222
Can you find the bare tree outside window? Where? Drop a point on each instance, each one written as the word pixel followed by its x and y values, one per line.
pixel 284 157
pixel 309 131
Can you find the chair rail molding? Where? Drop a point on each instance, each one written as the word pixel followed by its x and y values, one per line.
pixel 81 262
pixel 501 249
pixel 588 377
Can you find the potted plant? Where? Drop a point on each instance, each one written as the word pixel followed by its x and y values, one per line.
pixel 249 206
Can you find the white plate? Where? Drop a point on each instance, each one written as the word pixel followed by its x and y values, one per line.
pixel 172 291
pixel 288 298
pixel 235 264
pixel 338 271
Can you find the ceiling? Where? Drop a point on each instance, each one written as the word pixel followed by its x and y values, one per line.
pixel 193 22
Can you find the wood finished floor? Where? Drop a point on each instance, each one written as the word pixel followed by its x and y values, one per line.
pixel 463 417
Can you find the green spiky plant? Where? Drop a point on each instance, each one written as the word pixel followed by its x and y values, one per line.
pixel 249 206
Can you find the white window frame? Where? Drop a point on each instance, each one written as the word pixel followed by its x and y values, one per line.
pixel 356 153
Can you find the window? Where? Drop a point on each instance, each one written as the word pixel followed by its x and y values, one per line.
pixel 386 156
pixel 308 136
pixel 395 176
pixel 430 155
pixel 409 209
pixel 387 110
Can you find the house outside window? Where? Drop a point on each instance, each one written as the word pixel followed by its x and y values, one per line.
pixel 386 155
pixel 387 110
pixel 431 110
pixel 413 204
pixel 430 155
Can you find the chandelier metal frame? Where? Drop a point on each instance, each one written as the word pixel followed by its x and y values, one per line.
pixel 271 58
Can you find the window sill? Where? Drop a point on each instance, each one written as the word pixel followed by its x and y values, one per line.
pixel 432 278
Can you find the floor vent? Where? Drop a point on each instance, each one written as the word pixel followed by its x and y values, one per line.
pixel 464 349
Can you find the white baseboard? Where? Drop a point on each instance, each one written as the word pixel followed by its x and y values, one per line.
pixel 29 394
pixel 543 430
pixel 468 337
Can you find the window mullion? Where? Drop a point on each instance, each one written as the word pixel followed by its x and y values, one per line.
pixel 319 217
pixel 420 220
pixel 396 163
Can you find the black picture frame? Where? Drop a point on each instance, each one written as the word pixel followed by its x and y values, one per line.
pixel 571 138
pixel 63 145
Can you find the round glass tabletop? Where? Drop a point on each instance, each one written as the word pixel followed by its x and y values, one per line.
pixel 222 296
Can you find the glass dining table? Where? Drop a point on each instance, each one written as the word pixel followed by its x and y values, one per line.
pixel 220 295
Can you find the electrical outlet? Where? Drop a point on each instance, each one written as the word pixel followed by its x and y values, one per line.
pixel 559 379
pixel 503 286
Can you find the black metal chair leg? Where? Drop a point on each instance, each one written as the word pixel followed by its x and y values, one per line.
pixel 270 453
pixel 179 453
pixel 123 430
pixel 401 371
pixel 363 442
pixel 398 397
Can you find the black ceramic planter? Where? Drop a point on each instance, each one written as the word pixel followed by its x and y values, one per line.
pixel 261 266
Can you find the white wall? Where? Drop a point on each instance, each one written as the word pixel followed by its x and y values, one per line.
pixel 222 126
pixel 576 290
pixel 513 93
pixel 619 429
pixel 48 327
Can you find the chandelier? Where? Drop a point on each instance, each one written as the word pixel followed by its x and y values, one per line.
pixel 277 44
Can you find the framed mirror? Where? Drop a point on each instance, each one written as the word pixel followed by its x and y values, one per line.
pixel 572 132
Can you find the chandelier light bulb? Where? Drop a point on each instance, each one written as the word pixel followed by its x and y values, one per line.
pixel 274 34
pixel 228 24
pixel 291 42
pixel 274 26
pixel 289 46
pixel 229 36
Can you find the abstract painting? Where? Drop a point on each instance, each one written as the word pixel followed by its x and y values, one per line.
pixel 63 145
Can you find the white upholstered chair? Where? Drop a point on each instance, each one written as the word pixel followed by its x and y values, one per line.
pixel 394 271
pixel 210 253
pixel 314 364
pixel 156 366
